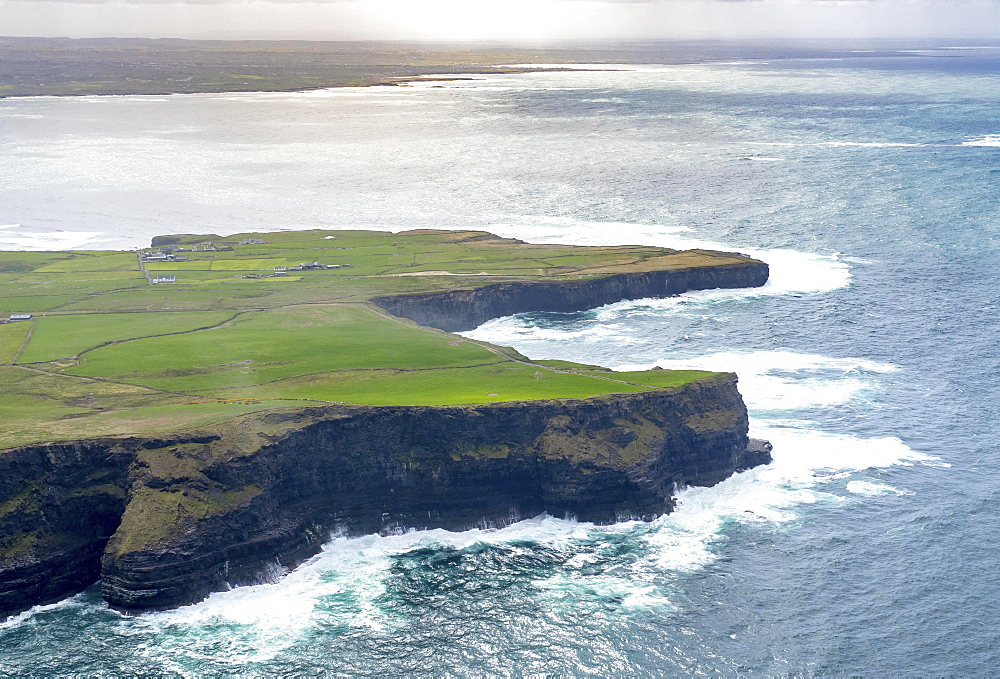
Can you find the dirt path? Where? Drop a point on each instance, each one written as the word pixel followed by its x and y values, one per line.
pixel 27 338
pixel 142 268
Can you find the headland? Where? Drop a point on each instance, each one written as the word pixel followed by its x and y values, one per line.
pixel 203 413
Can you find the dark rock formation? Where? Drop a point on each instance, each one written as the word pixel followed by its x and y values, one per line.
pixel 166 522
pixel 59 505
pixel 460 310
pixel 195 515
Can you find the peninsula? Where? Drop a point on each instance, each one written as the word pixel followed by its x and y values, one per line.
pixel 204 412
pixel 31 67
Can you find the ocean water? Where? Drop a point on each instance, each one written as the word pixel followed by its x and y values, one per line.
pixel 870 360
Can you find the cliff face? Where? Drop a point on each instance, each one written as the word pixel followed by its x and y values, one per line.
pixel 59 505
pixel 461 310
pixel 192 516
pixel 166 522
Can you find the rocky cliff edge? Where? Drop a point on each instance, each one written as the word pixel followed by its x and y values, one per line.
pixel 165 522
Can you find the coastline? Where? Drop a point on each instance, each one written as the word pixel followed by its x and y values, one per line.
pixel 166 518
pixel 165 522
pixel 401 81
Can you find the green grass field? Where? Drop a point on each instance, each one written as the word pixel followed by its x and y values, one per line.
pixel 109 354
pixel 281 343
pixel 501 381
pixel 66 336
pixel 12 335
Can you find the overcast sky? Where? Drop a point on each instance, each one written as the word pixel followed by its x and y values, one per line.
pixel 500 19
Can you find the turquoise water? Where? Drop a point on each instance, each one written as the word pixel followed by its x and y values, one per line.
pixel 870 360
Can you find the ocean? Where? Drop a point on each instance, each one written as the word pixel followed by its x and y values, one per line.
pixel 869 182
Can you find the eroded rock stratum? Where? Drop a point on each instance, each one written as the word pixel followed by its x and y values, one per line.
pixel 166 522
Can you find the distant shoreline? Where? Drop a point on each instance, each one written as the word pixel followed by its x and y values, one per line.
pixel 45 67
pixel 394 82
pixel 123 67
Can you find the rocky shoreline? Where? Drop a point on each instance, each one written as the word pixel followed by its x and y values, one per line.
pixel 460 310
pixel 165 535
pixel 164 522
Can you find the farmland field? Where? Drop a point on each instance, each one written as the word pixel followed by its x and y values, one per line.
pixel 108 353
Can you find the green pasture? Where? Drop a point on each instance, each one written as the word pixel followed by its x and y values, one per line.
pixel 11 338
pixel 24 262
pixel 77 288
pixel 68 335
pixel 272 345
pixel 173 297
pixel 41 407
pixel 111 355
pixel 33 303
pixel 93 261
pixel 247 264
pixel 657 378
pixel 204 265
pixel 78 276
pixel 569 365
pixel 506 381
pixel 213 277
pixel 520 267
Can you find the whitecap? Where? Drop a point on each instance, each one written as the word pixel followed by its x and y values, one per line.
pixel 47 240
pixel 345 584
pixel 29 615
pixel 340 586
pixel 783 380
pixel 873 489
pixel 846 144
pixel 513 329
pixel 578 66
pixel 805 461
pixel 566 588
pixel 987 140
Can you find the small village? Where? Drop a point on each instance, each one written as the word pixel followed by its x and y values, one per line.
pixel 169 254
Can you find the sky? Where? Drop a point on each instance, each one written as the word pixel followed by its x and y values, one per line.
pixel 534 20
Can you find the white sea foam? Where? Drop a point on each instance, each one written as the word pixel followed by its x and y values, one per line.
pixel 873 489
pixel 848 144
pixel 565 588
pixel 17 237
pixel 341 585
pixel 988 140
pixel 784 380
pixel 346 583
pixel 578 66
pixel 511 330
pixel 29 616
pixel 804 461
pixel 791 271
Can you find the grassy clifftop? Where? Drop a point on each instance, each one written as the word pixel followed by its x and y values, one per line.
pixel 245 327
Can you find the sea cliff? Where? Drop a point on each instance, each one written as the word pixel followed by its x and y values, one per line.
pixel 459 310
pixel 166 522
pixel 190 452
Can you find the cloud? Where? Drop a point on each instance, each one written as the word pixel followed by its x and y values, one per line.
pixel 500 19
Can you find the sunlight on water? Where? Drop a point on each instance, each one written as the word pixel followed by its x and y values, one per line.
pixel 870 193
